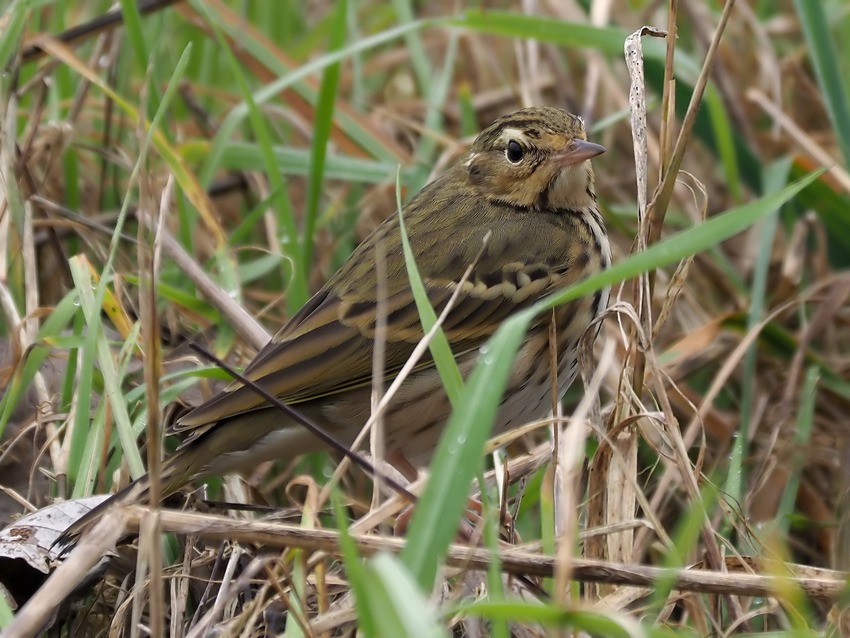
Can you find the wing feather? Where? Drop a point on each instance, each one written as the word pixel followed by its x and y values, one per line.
pixel 326 348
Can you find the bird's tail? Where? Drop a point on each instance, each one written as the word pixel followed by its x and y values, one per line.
pixel 173 475
pixel 133 493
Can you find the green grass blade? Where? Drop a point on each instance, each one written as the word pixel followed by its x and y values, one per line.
pixel 49 335
pixel 440 348
pixel 244 156
pixel 577 35
pixel 132 21
pixel 403 611
pixel 14 19
pixel 824 58
pixel 98 348
pixel 596 623
pixel 520 25
pixel 322 125
pixel 419 58
pixel 6 613
pixel 725 139
pixel 802 436
pixel 458 456
pixel 358 576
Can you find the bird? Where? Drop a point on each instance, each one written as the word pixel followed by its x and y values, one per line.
pixel 519 208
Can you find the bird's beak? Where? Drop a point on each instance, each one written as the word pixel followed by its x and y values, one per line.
pixel 578 151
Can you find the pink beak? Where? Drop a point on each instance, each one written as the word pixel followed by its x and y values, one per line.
pixel 578 151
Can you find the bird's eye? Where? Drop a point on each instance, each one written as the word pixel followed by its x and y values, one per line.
pixel 514 152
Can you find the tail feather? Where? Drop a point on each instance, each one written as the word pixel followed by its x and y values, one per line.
pixel 200 457
pixel 175 472
pixel 133 493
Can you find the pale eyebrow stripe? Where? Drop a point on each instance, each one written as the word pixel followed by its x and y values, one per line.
pixel 512 133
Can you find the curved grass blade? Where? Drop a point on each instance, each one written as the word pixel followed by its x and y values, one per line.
pixel 440 348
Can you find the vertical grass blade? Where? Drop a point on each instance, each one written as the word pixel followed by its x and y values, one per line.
pixel 440 349
pixel 14 18
pixel 826 62
pixel 322 130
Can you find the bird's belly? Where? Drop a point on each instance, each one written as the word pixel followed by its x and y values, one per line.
pixel 529 393
pixel 413 421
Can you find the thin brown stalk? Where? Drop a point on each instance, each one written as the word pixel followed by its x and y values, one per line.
pixel 825 584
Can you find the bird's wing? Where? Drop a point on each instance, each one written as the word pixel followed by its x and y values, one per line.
pixel 326 348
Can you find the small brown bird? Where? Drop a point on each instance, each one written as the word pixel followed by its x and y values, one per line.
pixel 527 182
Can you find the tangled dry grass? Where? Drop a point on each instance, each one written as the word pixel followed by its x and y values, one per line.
pixel 702 476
